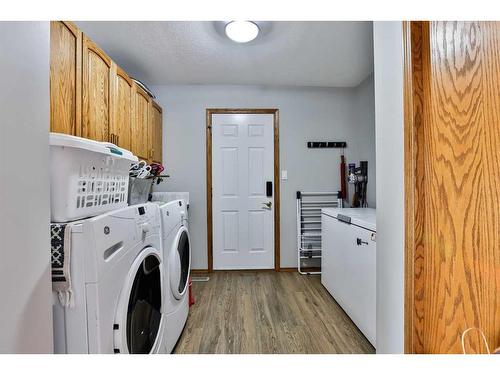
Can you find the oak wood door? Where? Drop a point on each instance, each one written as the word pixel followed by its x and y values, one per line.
pixel 96 92
pixel 65 78
pixel 140 124
pixel 156 132
pixel 452 109
pixel 121 108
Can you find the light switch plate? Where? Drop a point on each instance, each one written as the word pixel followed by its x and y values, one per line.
pixel 284 175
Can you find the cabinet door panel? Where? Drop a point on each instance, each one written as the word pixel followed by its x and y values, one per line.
pixel 121 123
pixel 96 92
pixel 140 125
pixel 65 78
pixel 156 133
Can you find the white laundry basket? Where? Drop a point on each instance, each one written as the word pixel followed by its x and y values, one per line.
pixel 87 177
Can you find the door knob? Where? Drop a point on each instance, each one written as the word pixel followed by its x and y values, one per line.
pixel 267 205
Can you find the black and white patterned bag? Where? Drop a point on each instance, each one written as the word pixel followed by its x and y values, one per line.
pixel 60 248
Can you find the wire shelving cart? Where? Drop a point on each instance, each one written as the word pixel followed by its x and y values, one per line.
pixel 309 205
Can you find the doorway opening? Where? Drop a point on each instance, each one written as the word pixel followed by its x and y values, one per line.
pixel 239 129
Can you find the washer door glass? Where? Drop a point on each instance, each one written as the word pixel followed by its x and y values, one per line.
pixel 144 307
pixel 183 250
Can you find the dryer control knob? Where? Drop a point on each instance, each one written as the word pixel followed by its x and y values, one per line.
pixel 145 227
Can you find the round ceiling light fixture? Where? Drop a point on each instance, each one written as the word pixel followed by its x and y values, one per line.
pixel 242 31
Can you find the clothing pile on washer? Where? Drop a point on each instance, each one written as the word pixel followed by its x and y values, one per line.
pixel 123 278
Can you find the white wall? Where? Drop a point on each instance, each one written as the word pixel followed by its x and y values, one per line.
pixel 305 114
pixel 25 286
pixel 388 56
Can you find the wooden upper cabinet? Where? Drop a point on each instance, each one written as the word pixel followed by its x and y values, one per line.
pixel 92 97
pixel 65 78
pixel 156 132
pixel 140 123
pixel 121 119
pixel 96 109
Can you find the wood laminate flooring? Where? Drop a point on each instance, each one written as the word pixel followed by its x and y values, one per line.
pixel 267 312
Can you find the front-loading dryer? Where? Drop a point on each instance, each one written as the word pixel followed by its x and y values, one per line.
pixel 117 278
pixel 177 263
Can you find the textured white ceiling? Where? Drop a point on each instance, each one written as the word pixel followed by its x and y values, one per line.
pixel 328 54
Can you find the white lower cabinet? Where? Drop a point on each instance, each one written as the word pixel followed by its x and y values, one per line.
pixel 349 265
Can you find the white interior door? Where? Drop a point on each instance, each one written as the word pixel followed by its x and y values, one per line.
pixel 242 165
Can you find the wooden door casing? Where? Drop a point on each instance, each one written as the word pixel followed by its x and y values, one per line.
pixel 121 121
pixel 96 93
pixel 452 141
pixel 277 194
pixel 65 78
pixel 140 124
pixel 156 132
pixel 242 165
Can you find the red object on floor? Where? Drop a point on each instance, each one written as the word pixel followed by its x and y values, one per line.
pixel 191 296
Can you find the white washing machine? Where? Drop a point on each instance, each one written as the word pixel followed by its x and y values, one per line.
pixel 177 254
pixel 117 280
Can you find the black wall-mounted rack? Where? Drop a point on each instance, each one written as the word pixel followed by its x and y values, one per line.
pixel 326 144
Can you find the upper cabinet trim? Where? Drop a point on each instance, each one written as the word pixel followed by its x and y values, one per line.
pixel 71 27
pixel 122 74
pixel 90 45
pixel 140 91
pixel 154 104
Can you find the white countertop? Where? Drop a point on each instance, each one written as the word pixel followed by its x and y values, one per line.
pixel 362 217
